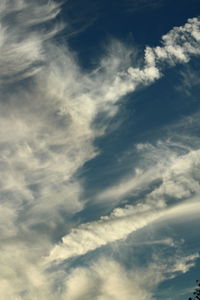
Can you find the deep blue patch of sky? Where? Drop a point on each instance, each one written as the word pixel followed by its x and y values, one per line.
pixel 140 23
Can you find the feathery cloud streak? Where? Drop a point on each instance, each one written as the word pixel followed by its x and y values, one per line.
pixel 117 226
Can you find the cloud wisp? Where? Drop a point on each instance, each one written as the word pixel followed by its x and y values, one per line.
pixel 107 278
pixel 116 227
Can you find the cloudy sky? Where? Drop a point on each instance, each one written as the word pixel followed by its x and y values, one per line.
pixel 99 149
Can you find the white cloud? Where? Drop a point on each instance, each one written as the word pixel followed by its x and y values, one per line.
pixel 180 43
pixel 130 185
pixel 183 264
pixel 48 134
pixel 107 279
pixel 163 162
pixel 22 46
pixel 181 180
pixel 117 226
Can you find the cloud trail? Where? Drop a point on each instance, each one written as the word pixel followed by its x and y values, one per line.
pixel 118 226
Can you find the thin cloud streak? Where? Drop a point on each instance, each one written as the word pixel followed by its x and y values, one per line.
pixel 118 226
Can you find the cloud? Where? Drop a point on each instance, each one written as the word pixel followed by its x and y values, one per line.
pixel 177 45
pixel 185 263
pixel 80 15
pixel 48 110
pixel 189 80
pixel 22 45
pixel 174 173
pixel 106 278
pixel 117 226
pixel 61 106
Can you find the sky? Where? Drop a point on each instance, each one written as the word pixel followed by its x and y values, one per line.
pixel 99 149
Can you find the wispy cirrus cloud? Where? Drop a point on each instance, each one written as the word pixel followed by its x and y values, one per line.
pixel 48 110
pixel 22 45
pixel 116 227
pixel 106 278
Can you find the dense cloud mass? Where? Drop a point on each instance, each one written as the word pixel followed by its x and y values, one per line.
pixel 49 109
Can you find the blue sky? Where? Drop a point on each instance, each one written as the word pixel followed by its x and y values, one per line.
pixel 99 149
